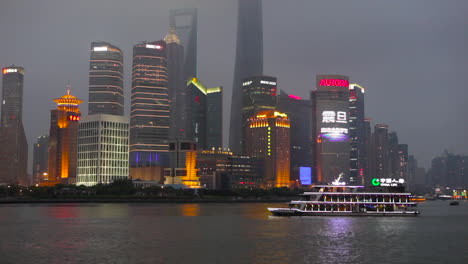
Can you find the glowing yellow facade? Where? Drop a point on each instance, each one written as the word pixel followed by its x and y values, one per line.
pixel 63 140
pixel 267 137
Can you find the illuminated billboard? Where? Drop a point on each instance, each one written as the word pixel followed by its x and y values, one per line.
pixel 387 182
pixel 305 175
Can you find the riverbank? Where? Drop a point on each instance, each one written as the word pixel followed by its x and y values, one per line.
pixel 142 200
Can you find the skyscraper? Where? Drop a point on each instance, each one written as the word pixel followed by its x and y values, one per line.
pixel 249 62
pixel 178 95
pixel 206 115
pixel 150 110
pixel 106 93
pixel 185 23
pixel 63 140
pixel 357 133
pixel 13 144
pixel 330 129
pixel 380 163
pixel 299 113
pixel 103 154
pixel 40 159
pixel 268 138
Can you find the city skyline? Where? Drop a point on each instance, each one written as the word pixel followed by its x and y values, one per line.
pixel 413 73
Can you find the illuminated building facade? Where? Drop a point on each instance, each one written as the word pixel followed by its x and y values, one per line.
pixel 268 138
pixel 106 93
pixel 185 23
pixel 206 114
pixel 183 164
pixel 13 143
pixel 150 110
pixel 40 159
pixel 258 93
pixel 103 149
pixel 299 114
pixel 63 140
pixel 249 62
pixel 330 128
pixel 357 134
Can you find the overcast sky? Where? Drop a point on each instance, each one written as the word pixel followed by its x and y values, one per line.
pixel 410 55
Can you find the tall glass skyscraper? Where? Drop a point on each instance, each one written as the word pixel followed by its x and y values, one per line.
pixel 185 22
pixel 249 62
pixel 13 144
pixel 357 133
pixel 150 110
pixel 106 93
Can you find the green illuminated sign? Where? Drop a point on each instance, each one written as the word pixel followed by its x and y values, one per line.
pixel 375 182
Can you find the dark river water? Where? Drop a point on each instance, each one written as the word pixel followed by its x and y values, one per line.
pixel 226 233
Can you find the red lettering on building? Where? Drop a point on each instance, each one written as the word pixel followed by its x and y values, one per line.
pixel 334 82
pixel 295 97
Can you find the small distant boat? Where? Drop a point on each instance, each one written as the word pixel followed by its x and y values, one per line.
pixel 454 203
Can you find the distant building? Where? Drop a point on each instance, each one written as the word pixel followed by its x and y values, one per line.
pixel 380 163
pixel 299 113
pixel 357 135
pixel 222 170
pixel 259 93
pixel 40 159
pixel 185 23
pixel 180 122
pixel 268 138
pixel 330 129
pixel 63 140
pixel 106 92
pixel 249 62
pixel 182 168
pixel 206 115
pixel 150 109
pixel 103 149
pixel 13 143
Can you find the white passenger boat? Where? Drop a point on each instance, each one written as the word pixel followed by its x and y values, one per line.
pixel 331 200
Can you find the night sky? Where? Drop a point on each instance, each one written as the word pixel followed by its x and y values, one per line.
pixel 410 55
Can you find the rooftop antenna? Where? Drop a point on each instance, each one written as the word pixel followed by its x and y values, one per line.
pixel 68 88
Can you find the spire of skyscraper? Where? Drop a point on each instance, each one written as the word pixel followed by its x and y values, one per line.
pixel 249 62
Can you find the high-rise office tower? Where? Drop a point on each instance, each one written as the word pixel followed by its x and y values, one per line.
pixel 268 138
pixel 185 23
pixel 63 140
pixel 368 151
pixel 402 171
pixel 40 159
pixel 330 129
pixel 259 93
pixel 380 163
pixel 13 144
pixel 249 62
pixel 299 113
pixel 103 154
pixel 357 133
pixel 106 93
pixel 206 115
pixel 150 110
pixel 178 94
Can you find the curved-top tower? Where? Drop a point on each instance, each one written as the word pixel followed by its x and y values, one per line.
pixel 249 62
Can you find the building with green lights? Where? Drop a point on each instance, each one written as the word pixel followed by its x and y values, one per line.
pixel 206 114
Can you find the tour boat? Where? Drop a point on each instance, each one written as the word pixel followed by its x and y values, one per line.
pixel 331 200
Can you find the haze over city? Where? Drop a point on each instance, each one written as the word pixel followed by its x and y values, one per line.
pixel 409 55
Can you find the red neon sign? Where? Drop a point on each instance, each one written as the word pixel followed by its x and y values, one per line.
pixel 334 82
pixel 295 97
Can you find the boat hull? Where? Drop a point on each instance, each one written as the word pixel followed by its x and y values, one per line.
pixel 296 212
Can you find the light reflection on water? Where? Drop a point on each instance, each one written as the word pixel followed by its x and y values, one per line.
pixel 225 233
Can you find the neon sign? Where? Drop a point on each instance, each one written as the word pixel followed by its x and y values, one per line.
pixel 100 48
pixel 334 82
pixel 74 118
pixel 267 82
pixel 387 182
pixel 9 70
pixel 337 182
pixel 334 117
pixel 295 97
pixel 149 46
